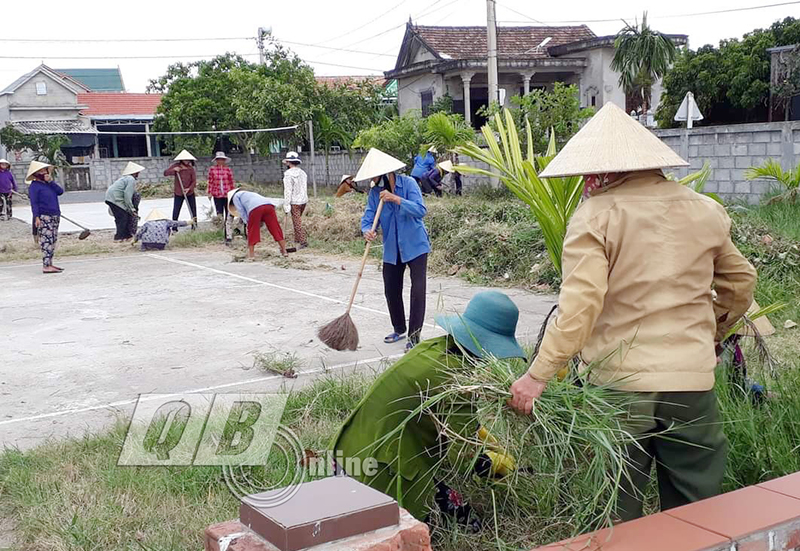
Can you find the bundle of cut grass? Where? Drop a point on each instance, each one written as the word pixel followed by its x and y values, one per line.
pixel 570 457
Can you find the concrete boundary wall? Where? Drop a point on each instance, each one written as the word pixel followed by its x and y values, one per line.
pixel 731 150
pixel 266 170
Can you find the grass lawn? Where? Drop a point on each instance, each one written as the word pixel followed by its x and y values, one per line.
pixel 70 495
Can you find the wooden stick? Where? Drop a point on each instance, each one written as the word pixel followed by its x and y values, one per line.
pixel 364 258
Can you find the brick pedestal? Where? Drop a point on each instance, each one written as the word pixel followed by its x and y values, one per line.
pixel 409 535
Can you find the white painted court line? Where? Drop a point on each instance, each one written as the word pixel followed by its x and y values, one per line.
pixel 66 261
pixel 276 286
pixel 196 391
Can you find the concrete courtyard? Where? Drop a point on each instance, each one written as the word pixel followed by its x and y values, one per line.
pixel 80 346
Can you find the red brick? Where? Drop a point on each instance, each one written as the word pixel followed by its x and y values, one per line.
pixel 673 535
pixel 736 515
pixel 786 485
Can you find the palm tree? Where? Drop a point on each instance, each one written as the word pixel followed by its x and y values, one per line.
pixel 771 170
pixel 446 132
pixel 642 56
pixel 329 133
pixel 551 200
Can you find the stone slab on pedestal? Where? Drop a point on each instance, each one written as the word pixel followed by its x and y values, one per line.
pixel 317 512
pixel 409 535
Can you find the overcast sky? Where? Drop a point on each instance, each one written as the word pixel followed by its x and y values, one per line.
pixel 373 27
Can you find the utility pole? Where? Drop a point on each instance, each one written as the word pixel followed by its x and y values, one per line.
pixel 262 32
pixel 491 42
pixel 313 164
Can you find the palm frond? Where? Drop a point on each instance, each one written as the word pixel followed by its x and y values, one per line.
pixel 772 170
pixel 552 201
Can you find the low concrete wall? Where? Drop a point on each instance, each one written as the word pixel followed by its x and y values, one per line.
pixel 732 149
pixel 266 170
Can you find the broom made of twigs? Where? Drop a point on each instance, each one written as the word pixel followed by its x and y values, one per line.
pixel 341 333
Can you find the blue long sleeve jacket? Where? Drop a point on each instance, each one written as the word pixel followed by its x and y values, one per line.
pixel 44 198
pixel 422 164
pixel 404 232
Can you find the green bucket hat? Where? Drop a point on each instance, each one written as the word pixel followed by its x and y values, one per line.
pixel 487 326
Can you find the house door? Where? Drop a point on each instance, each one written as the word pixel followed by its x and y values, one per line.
pixel 479 97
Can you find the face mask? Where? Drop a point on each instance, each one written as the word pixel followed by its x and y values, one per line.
pixel 593 182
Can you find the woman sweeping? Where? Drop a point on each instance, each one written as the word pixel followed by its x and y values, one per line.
pixel 44 193
pixel 185 175
pixel 405 240
pixel 408 460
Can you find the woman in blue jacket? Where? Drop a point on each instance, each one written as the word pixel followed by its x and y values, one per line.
pixel 43 193
pixel 405 240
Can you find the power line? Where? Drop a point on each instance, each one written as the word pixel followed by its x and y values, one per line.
pixel 370 22
pixel 520 13
pixel 196 56
pixel 651 16
pixel 78 40
pixel 332 48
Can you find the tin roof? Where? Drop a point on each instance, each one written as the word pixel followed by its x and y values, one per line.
pixel 56 126
pixel 97 80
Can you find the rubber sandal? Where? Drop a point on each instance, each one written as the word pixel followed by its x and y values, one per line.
pixel 392 338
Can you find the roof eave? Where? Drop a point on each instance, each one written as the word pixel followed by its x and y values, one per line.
pixel 603 42
pixel 443 66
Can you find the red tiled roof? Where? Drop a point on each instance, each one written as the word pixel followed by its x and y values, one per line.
pixel 512 42
pixel 349 79
pixel 116 103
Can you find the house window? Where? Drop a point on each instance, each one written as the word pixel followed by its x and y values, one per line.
pixel 41 88
pixel 427 100
pixel 594 101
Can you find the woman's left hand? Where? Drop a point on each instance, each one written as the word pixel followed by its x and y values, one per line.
pixel 390 197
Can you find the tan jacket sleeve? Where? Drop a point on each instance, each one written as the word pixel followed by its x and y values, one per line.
pixel 580 302
pixel 734 282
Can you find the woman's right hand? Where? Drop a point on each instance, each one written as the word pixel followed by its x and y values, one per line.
pixel 370 235
pixel 37 222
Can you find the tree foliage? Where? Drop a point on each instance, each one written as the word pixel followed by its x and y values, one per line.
pixel 46 148
pixel 558 109
pixel 400 137
pixel 642 56
pixel 786 84
pixel 731 83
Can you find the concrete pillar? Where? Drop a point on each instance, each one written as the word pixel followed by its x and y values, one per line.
pixel 147 139
pixel 114 146
pixel 526 82
pixel 466 77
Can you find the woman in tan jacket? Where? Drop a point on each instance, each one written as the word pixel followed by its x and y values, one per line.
pixel 640 258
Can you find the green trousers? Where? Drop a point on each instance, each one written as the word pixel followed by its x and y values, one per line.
pixel 689 458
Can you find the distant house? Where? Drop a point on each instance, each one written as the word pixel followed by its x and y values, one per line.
pixel 97 80
pixel 45 101
pixel 438 61
pixel 122 112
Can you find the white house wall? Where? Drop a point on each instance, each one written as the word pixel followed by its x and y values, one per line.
pixel 409 91
pixel 57 93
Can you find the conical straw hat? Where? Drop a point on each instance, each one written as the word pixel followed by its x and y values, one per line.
pixel 344 177
pixel 155 214
pixel 184 156
pixel 377 163
pixel 132 168
pixel 35 167
pixel 611 141
pixel 446 166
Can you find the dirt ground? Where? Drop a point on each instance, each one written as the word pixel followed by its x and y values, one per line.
pixel 80 346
